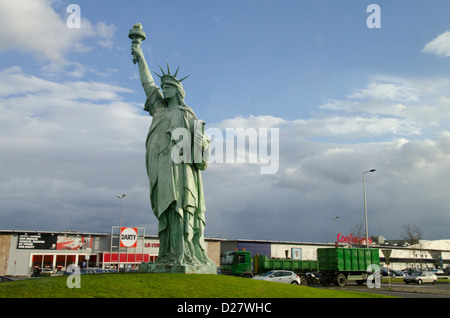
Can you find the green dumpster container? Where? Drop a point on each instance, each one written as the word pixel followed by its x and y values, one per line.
pixel 343 259
pixel 265 264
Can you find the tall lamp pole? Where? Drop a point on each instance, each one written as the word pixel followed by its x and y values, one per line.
pixel 120 196
pixel 365 206
pixel 334 218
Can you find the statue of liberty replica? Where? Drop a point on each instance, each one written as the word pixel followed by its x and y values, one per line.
pixel 176 152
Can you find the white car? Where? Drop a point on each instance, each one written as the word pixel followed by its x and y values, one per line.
pixel 280 276
pixel 46 272
pixel 420 278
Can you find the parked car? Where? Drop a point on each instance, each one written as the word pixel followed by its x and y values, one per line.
pixel 87 271
pixel 280 276
pixel 420 278
pixel 384 272
pixel 5 279
pixel 109 270
pixel 392 273
pixel 98 270
pixel 46 272
pixel 398 273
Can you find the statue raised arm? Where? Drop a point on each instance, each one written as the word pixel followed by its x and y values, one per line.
pixel 137 35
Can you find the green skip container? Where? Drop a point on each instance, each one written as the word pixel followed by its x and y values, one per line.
pixel 265 264
pixel 343 259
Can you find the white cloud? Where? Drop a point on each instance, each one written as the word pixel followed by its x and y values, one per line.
pixel 395 105
pixel 43 115
pixel 33 27
pixel 67 149
pixel 354 127
pixel 320 180
pixel 440 45
pixel 106 32
pixel 402 92
pixel 15 82
pixel 317 180
pixel 250 122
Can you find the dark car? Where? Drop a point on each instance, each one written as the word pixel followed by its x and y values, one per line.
pixel 384 272
pixel 398 273
pixel 5 279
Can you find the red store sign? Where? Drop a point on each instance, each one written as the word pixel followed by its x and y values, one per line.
pixel 352 239
pixel 151 244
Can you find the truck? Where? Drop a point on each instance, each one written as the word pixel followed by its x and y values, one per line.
pixel 341 264
pixel 333 265
pixel 243 264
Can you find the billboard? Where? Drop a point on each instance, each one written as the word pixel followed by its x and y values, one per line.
pixel 74 243
pixel 41 241
pixel 51 241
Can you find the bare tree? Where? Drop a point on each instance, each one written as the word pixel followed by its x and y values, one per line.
pixel 412 234
pixel 357 230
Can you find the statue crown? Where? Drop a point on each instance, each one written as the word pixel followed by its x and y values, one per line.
pixel 167 78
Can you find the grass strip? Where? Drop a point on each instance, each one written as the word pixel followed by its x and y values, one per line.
pixel 148 285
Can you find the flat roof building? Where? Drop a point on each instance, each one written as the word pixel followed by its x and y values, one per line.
pixel 28 252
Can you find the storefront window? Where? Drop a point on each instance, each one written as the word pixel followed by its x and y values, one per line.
pixel 93 261
pixel 70 260
pixel 48 261
pixel 82 261
pixel 37 261
pixel 61 262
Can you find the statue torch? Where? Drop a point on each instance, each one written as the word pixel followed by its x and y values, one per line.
pixel 137 36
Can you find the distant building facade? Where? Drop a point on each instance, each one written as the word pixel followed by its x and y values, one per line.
pixel 26 253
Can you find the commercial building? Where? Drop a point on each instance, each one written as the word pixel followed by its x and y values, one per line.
pixel 400 255
pixel 26 253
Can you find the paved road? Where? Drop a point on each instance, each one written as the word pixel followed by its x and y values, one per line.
pixel 399 290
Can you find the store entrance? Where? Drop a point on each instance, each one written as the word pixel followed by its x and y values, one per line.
pixel 57 264
pixel 85 261
pixel 42 263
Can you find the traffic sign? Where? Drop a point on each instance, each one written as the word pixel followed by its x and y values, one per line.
pixel 387 255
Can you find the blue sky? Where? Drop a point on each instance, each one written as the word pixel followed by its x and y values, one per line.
pixel 345 97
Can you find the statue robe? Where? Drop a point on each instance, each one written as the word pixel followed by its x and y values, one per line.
pixel 176 189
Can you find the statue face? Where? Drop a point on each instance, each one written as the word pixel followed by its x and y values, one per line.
pixel 169 91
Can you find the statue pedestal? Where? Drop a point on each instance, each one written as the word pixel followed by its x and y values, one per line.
pixel 177 269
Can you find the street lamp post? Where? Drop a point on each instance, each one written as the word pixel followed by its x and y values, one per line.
pixel 334 218
pixel 120 196
pixel 365 206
